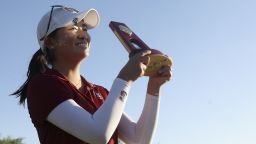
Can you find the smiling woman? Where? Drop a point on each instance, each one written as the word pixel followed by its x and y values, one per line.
pixel 67 109
pixel 71 42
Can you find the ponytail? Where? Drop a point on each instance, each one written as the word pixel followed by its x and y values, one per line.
pixel 38 64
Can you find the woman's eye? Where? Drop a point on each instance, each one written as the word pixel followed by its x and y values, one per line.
pixel 84 28
pixel 75 28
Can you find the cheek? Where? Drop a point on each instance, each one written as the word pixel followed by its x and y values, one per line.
pixel 64 44
pixel 64 40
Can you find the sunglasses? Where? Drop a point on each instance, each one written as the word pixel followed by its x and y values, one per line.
pixel 69 9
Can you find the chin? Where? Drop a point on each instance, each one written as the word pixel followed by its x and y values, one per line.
pixel 86 55
pixel 86 52
pixel 82 52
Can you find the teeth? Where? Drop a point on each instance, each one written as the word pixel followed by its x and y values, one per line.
pixel 81 44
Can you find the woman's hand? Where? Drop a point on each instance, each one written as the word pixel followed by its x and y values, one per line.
pixel 156 81
pixel 135 67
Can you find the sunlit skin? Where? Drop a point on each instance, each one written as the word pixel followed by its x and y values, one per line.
pixel 155 82
pixel 72 43
pixel 71 46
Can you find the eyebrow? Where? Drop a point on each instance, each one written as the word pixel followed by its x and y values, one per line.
pixel 84 25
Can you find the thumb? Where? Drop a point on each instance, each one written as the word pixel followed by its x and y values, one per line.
pixel 145 52
pixel 140 53
pixel 145 60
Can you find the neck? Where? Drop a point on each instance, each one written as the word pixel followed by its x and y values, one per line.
pixel 71 72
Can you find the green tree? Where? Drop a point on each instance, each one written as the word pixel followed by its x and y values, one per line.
pixel 9 140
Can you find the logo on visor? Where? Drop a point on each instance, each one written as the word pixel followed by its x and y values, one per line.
pixel 75 20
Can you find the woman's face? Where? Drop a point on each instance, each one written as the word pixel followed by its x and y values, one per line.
pixel 72 43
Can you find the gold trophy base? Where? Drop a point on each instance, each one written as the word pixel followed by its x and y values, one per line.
pixel 157 61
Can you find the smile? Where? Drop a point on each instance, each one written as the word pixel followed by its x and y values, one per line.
pixel 82 44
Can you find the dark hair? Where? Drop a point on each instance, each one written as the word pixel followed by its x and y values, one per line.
pixel 38 64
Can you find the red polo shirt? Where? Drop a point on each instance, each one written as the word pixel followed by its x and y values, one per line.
pixel 46 91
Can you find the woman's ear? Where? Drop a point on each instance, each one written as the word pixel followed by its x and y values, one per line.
pixel 49 43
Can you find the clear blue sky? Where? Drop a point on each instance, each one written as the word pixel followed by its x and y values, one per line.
pixel 212 97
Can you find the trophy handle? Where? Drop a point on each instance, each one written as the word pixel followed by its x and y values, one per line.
pixel 133 44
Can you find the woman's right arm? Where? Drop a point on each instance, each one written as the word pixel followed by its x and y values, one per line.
pixel 99 127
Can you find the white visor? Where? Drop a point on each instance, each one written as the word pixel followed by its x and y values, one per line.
pixel 63 17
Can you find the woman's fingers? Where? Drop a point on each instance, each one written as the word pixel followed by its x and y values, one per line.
pixel 145 60
pixel 142 59
pixel 144 53
pixel 141 54
pixel 165 72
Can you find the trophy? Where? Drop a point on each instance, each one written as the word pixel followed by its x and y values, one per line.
pixel 133 44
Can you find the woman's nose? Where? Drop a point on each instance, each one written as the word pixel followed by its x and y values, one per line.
pixel 83 34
